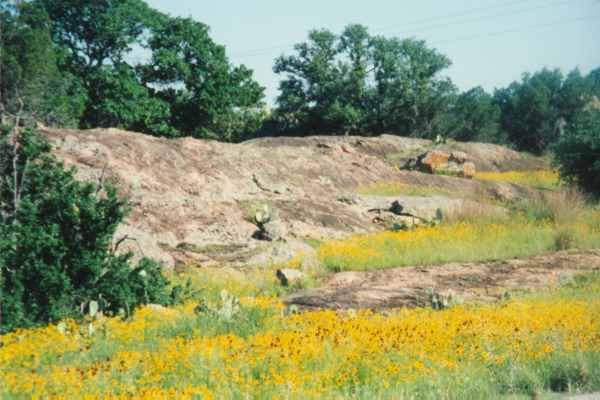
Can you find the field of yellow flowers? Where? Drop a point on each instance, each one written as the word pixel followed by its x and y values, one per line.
pixel 537 343
pixel 461 241
pixel 541 179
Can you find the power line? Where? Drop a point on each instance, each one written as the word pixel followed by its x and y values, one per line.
pixel 474 10
pixel 288 45
pixel 271 49
pixel 516 30
pixel 485 17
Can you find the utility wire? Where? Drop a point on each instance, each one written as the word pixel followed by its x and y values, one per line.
pixel 414 22
pixel 270 50
pixel 462 14
pixel 483 18
pixel 516 30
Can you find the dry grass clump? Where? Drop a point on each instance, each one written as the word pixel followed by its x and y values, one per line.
pixel 476 232
pixel 477 212
pixel 566 206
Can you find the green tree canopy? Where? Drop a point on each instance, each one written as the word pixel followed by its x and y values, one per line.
pixel 93 33
pixel 192 74
pixel 182 84
pixel 30 77
pixel 535 110
pixel 474 116
pixel 358 83
pixel 577 152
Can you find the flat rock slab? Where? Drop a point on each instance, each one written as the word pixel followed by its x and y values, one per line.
pixel 408 286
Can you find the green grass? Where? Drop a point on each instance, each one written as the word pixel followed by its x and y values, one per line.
pixel 533 228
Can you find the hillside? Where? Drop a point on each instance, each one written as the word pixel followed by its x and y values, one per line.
pixel 193 200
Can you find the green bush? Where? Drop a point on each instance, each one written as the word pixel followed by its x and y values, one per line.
pixel 577 152
pixel 56 241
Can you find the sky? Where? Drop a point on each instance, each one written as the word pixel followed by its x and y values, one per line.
pixel 490 42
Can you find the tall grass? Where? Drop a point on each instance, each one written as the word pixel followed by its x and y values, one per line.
pixel 554 221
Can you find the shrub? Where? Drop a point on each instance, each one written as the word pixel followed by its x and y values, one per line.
pixel 564 239
pixel 563 207
pixel 577 153
pixel 56 241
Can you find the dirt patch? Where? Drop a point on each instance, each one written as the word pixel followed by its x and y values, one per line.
pixel 410 286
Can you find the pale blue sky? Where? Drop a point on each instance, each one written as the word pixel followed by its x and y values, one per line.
pixel 490 42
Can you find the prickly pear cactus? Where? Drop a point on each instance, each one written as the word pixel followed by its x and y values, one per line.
pixel 230 306
pixel 263 216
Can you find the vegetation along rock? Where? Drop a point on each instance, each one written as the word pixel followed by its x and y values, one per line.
pixel 288 276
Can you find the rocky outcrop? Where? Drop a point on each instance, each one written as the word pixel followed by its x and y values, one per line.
pixel 433 161
pixel 440 162
pixel 288 276
pixel 414 286
pixel 193 201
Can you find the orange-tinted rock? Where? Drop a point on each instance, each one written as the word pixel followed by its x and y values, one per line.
pixel 459 157
pixel 468 170
pixel 434 160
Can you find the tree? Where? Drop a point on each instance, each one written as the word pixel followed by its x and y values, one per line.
pixel 356 83
pixel 56 240
pixel 475 117
pixel 187 87
pixel 535 110
pixel 94 33
pixel 30 71
pixel 577 152
pixel 312 85
pixel 118 99
pixel 409 92
pixel 593 81
pixel 208 97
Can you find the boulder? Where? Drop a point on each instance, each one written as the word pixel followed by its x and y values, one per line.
pixel 397 208
pixel 447 284
pixel 468 170
pixel 433 160
pixel 459 157
pixel 157 308
pixel 273 231
pixel 288 276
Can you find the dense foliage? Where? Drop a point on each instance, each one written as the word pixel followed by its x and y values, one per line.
pixel 535 111
pixel 121 63
pixel 473 116
pixel 71 62
pixel 56 241
pixel 362 84
pixel 358 83
pixel 577 152
pixel 29 71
